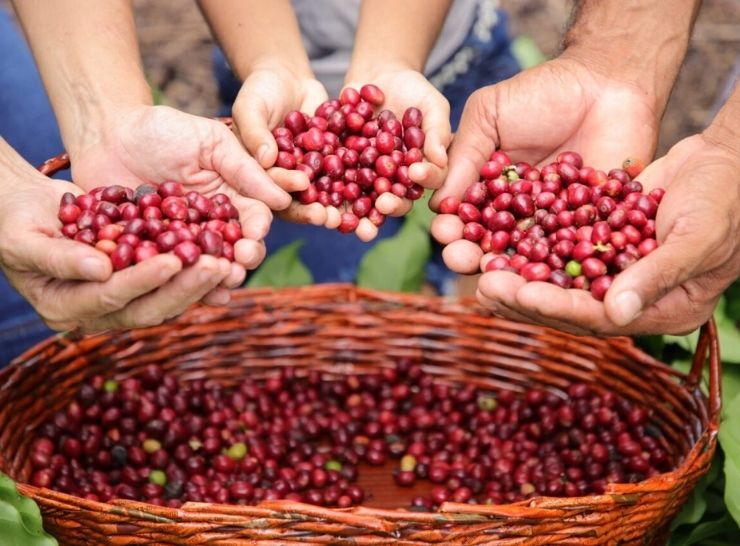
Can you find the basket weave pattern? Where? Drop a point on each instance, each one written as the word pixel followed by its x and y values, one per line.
pixel 341 329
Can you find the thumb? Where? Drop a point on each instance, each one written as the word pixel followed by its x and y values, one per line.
pixel 251 120
pixel 59 258
pixel 475 140
pixel 642 284
pixel 244 174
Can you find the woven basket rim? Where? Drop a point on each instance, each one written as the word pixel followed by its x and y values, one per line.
pixel 708 346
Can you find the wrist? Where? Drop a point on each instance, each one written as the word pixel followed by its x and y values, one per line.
pixel 296 67
pixel 367 70
pixel 96 122
pixel 632 41
pixel 724 131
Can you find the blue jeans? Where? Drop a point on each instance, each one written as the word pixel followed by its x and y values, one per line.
pixel 333 257
pixel 27 123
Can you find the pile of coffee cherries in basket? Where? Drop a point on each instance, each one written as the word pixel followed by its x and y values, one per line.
pixel 132 226
pixel 350 155
pixel 566 224
pixel 306 438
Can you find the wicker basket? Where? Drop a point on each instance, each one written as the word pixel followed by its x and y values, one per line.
pixel 341 329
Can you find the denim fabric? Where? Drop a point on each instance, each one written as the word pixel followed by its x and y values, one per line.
pixel 27 124
pixel 333 257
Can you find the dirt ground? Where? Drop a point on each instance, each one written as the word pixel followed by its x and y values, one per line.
pixel 176 48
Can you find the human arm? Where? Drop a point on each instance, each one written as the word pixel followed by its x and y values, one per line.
pixel 603 97
pixel 675 288
pixel 392 44
pixel 71 284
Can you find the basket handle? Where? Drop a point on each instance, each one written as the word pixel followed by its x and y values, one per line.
pixel 708 346
pixel 55 164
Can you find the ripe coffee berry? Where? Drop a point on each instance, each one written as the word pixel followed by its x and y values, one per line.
pixel 352 154
pixel 296 436
pixel 566 224
pixel 134 226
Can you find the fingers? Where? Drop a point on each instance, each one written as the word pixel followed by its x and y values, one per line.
pixel 436 126
pixel 243 173
pixel 290 181
pixel 475 140
pixel 462 256
pixel 251 120
pixel 366 231
pixel 447 228
pixel 427 174
pixel 171 299
pixel 314 214
pixel 57 258
pixel 94 299
pixel 249 254
pixel 392 205
pixel 255 218
pixel 676 261
pixel 217 297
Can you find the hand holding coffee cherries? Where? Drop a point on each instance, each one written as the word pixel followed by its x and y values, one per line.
pixel 156 144
pixel 267 95
pixel 405 88
pixel 357 157
pixel 675 288
pixel 560 105
pixel 71 285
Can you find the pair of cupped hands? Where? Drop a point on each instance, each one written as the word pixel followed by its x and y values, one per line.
pixel 560 105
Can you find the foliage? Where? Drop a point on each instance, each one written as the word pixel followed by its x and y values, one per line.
pixel 282 269
pixel 712 514
pixel 20 518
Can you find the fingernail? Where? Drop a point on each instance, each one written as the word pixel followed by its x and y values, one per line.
pixel 629 306
pixel 261 151
pixel 92 268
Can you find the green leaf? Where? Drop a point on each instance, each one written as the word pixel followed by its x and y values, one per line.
pixel 20 518
pixel 729 335
pixel 281 269
pixel 729 439
pixel 724 528
pixel 397 263
pixel 421 214
pixel 733 301
pixel 526 52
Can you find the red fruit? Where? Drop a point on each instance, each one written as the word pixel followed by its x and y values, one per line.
pixel 535 272
pixel 572 158
pixel 501 157
pixel 372 94
pixel 188 252
pixel 449 205
pixel 349 222
pixel 122 256
pixel 414 137
pixel 593 267
pixel 633 167
pixel 492 169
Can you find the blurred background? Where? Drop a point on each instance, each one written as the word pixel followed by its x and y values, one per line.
pixel 176 47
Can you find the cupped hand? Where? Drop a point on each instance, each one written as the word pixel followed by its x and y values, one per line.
pixel 404 88
pixel 266 96
pixel 71 285
pixel 560 105
pixel 153 144
pixel 673 289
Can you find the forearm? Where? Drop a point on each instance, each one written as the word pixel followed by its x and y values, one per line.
pixel 391 33
pixel 725 128
pixel 255 33
pixel 12 168
pixel 640 42
pixel 87 54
